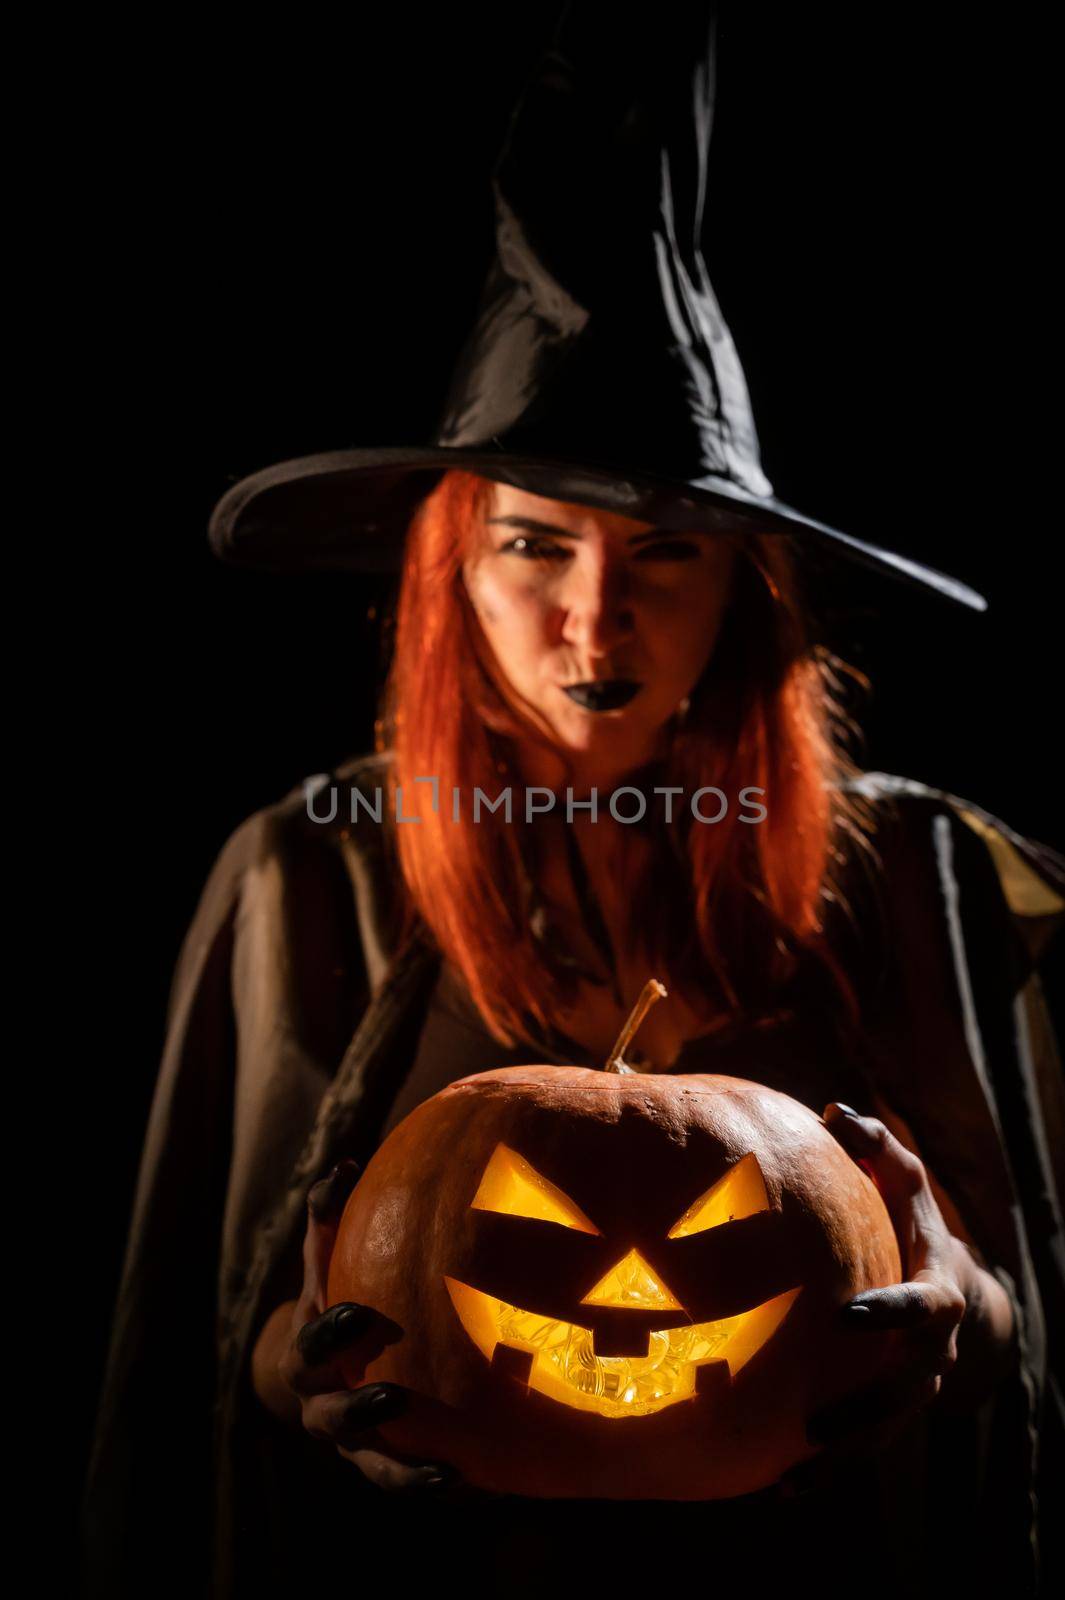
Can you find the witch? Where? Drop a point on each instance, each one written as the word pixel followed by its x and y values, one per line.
pixel 603 606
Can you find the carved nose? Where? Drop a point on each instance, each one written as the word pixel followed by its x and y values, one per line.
pixel 631 1285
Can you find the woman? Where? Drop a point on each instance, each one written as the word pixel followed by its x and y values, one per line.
pixel 498 619
pixel 598 593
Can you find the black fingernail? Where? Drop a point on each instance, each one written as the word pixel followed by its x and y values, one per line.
pixel 385 1403
pixel 363 1409
pixel 855 1314
pixel 319 1340
pixel 326 1195
pixel 314 1341
pixel 438 1476
pixel 349 1321
pixel 342 1174
pixel 848 1111
pixel 357 1412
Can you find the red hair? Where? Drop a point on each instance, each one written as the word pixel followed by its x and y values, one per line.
pixel 764 714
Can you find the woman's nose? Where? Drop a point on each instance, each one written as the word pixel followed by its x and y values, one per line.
pixel 598 606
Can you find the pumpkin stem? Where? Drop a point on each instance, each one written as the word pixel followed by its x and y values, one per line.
pixel 652 991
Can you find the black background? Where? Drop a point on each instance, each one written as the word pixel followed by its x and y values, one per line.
pixel 283 225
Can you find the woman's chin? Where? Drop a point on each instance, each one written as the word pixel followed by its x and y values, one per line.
pixel 614 736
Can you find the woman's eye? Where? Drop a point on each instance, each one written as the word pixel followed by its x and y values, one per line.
pixel 535 548
pixel 669 550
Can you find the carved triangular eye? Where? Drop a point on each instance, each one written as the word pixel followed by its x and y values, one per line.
pixel 509 1184
pixel 740 1193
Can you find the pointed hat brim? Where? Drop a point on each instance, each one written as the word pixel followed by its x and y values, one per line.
pixel 348 510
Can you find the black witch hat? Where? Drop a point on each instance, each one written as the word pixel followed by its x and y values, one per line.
pixel 599 369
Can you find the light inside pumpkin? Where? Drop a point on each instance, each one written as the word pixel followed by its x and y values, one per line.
pixel 565 1365
pixel 740 1193
pixel 509 1184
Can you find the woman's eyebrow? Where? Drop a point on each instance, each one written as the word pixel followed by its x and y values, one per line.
pixel 532 525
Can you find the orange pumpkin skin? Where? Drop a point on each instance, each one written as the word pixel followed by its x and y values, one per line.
pixel 632 1153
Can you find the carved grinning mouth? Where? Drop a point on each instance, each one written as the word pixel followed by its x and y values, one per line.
pixel 564 1365
pixel 563 1362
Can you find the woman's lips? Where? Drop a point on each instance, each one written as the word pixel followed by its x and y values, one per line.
pixel 603 694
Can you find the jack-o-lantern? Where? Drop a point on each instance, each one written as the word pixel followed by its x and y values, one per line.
pixel 610 1284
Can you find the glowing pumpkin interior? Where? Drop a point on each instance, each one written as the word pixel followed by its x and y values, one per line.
pixel 566 1366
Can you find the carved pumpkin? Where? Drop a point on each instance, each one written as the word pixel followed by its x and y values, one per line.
pixel 607 1284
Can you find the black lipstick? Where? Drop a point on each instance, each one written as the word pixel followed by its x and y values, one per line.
pixel 604 694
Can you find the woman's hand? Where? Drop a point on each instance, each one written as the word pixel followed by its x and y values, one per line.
pixel 949 1310
pixel 296 1365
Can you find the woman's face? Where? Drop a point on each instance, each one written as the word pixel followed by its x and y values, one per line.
pixel 600 626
